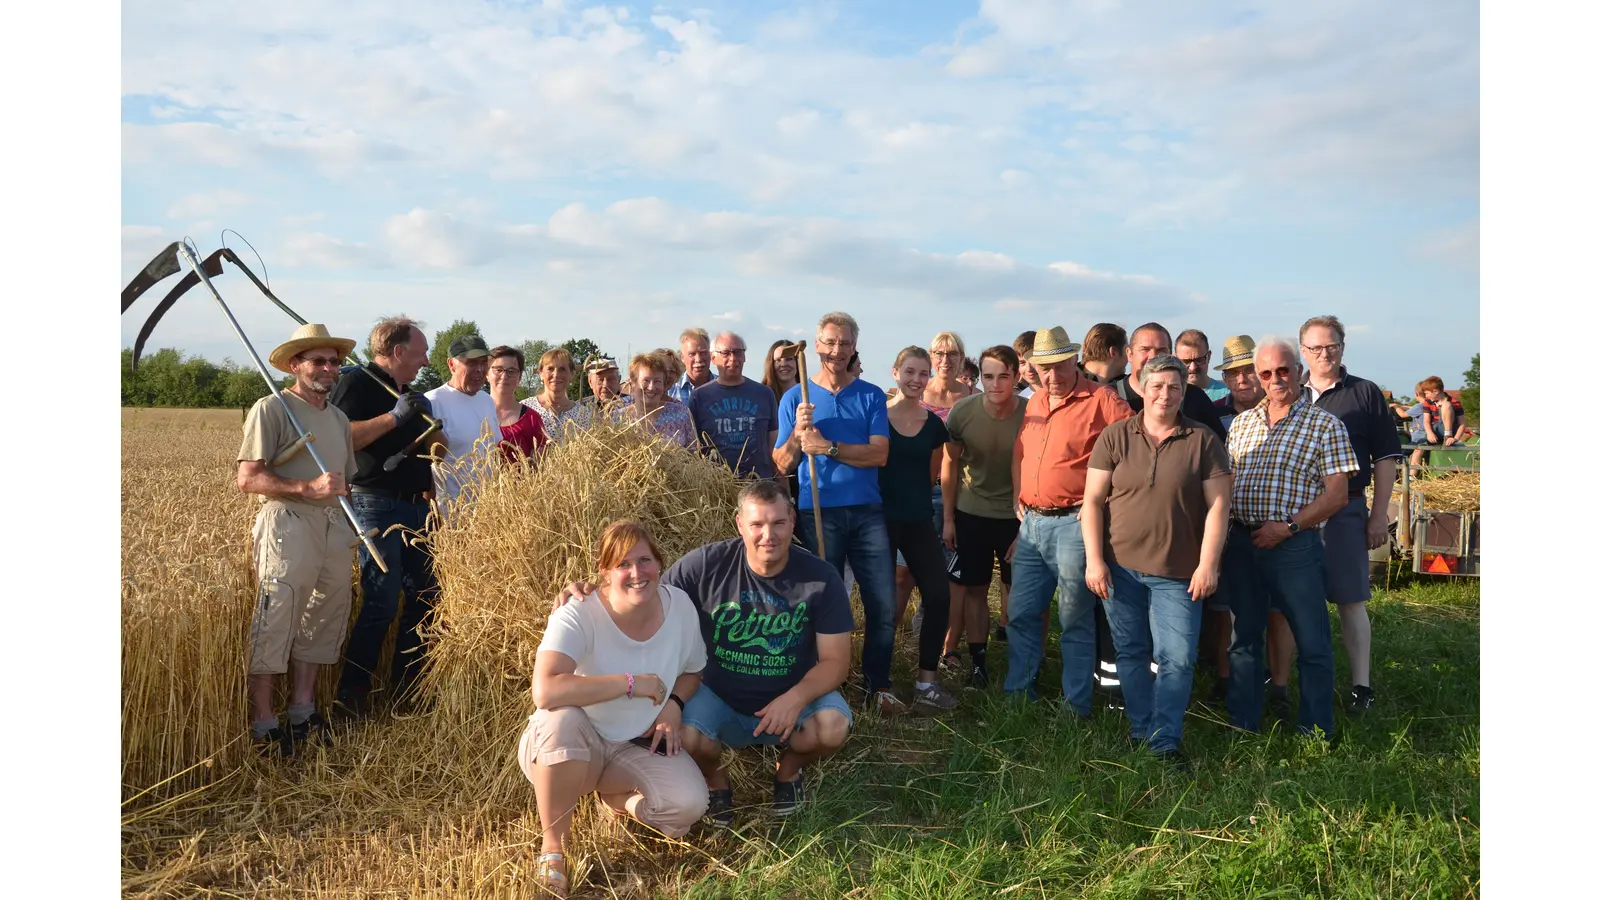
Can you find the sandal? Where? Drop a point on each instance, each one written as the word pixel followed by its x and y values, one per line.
pixel 547 877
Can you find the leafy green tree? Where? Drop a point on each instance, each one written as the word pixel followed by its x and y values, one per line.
pixel 532 382
pixel 439 350
pixel 1469 392
pixel 427 379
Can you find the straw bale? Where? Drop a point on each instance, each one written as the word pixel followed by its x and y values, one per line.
pixel 1456 492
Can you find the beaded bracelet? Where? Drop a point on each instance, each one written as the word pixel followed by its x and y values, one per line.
pixel 629 676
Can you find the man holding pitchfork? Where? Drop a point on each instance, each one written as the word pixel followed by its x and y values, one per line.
pixel 303 544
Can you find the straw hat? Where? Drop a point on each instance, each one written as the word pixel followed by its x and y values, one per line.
pixel 1237 351
pixel 599 364
pixel 305 338
pixel 1052 346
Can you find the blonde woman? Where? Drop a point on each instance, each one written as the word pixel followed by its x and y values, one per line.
pixel 610 680
pixel 651 405
pixel 552 403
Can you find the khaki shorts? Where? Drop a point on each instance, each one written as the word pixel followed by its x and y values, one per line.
pixel 668 793
pixel 303 575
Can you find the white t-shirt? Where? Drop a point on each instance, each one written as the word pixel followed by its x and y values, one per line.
pixel 463 417
pixel 585 632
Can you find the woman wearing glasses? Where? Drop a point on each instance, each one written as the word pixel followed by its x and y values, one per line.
pixel 521 427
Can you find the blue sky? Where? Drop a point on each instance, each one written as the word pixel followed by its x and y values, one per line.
pixel 555 170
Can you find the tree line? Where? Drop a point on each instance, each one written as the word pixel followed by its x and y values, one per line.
pixel 171 378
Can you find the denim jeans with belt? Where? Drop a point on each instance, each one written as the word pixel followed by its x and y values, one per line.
pixel 411 569
pixel 1049 555
pixel 1153 617
pixel 858 535
pixel 1287 577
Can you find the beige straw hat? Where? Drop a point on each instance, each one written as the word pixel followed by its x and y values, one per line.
pixel 305 338
pixel 1052 346
pixel 1237 351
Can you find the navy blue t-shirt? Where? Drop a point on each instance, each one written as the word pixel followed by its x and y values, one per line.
pixel 1359 404
pixel 736 421
pixel 760 633
pixel 851 416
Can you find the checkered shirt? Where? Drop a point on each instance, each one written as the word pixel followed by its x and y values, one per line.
pixel 1278 470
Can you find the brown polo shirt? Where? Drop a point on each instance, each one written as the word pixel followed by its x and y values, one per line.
pixel 1054 444
pixel 1157 503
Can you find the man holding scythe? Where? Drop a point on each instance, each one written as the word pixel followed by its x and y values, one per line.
pixel 302 540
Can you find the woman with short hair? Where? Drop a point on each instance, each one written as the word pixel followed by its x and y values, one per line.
pixel 1164 481
pixel 557 411
pixel 610 680
pixel 521 428
pixel 651 407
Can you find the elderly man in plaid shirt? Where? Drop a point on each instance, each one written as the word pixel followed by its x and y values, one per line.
pixel 1291 465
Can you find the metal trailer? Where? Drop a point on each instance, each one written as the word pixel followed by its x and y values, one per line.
pixel 1437 542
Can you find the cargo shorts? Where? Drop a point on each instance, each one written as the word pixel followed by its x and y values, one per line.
pixel 303 563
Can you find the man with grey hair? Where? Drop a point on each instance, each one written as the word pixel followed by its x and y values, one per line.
pixel 734 416
pixel 1292 464
pixel 845 428
pixel 1353 530
pixel 471 427
pixel 695 346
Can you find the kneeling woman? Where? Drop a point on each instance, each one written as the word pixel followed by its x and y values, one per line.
pixel 609 682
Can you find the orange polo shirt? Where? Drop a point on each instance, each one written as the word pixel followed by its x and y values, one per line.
pixel 1054 444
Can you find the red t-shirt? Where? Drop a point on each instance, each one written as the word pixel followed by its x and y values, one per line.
pixel 523 435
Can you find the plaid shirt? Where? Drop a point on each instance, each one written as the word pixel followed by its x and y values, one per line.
pixel 1278 470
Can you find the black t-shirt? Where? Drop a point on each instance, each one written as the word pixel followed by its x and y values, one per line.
pixel 760 633
pixel 1359 404
pixel 906 480
pixel 362 398
pixel 1196 405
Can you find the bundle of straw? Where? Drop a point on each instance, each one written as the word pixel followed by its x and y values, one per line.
pixel 1456 492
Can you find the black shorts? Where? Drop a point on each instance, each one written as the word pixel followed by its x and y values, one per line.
pixel 980 541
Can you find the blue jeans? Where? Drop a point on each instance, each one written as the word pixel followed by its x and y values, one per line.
pixel 1153 616
pixel 1049 556
pixel 859 536
pixel 1287 577
pixel 713 717
pixel 410 569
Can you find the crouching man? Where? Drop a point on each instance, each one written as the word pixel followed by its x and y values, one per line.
pixel 302 540
pixel 776 622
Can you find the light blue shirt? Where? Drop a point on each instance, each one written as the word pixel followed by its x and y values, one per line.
pixel 852 416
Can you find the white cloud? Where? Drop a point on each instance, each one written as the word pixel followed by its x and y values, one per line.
pixel 213 203
pixel 321 251
pixel 1457 246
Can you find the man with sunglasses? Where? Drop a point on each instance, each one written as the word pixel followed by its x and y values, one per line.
pixel 1292 464
pixel 1353 530
pixel 1194 351
pixel 736 417
pixel 301 539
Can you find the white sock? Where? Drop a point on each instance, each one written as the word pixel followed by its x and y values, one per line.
pixel 924 685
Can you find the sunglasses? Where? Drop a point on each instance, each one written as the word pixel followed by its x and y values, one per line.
pixel 323 362
pixel 1281 373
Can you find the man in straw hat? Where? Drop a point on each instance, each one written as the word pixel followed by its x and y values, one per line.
pixel 1060 427
pixel 1244 391
pixel 1291 468
pixel 302 541
pixel 466 412
pixel 605 382
pixel 381 426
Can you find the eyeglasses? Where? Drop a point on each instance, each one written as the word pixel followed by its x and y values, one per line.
pixel 506 370
pixel 323 362
pixel 946 354
pixel 1324 350
pixel 1195 362
pixel 840 344
pixel 735 352
pixel 1281 373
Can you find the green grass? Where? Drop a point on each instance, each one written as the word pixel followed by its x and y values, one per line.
pixel 999 800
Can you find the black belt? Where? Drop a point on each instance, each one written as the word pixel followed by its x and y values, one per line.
pixel 417 497
pixel 1249 525
pixel 1053 511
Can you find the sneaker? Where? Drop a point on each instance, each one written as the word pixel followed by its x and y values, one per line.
pixel 950 664
pixel 276 742
pixel 1361 699
pixel 313 731
pixel 1278 702
pixel 1175 758
pixel 351 705
pixel 719 812
pixel 788 795
pixel 933 699
pixel 885 703
pixel 978 678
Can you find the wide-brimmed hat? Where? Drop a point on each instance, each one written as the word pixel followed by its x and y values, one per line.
pixel 1237 351
pixel 1052 346
pixel 304 338
pixel 599 364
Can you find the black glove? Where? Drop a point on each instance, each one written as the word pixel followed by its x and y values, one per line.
pixel 407 407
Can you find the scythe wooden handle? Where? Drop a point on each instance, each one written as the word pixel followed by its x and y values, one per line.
pixel 811 461
pixel 294 449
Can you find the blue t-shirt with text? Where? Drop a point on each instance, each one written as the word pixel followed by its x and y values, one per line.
pixel 736 421
pixel 851 416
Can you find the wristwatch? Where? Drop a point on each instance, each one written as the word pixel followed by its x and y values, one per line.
pixel 1294 527
pixel 833 450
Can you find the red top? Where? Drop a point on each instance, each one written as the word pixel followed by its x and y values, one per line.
pixel 1054 445
pixel 523 435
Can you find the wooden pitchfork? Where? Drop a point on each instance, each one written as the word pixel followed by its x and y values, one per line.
pixel 798 351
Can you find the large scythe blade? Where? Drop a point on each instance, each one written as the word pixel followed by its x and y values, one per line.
pixel 165 263
pixel 213 267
